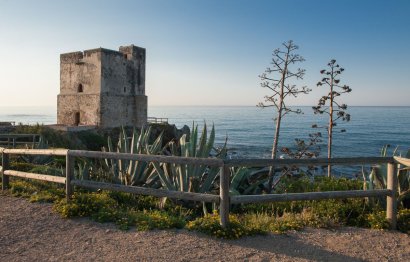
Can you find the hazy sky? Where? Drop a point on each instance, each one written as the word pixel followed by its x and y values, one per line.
pixel 210 52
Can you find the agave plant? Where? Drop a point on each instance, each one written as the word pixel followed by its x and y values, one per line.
pixel 245 181
pixel 191 178
pixel 130 172
pixel 377 179
pixel 403 176
pixel 83 170
pixel 39 160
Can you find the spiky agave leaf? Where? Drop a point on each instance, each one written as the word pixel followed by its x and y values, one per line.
pixel 132 172
pixel 193 141
pixel 164 176
pixel 237 177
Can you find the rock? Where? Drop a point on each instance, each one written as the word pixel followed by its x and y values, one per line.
pixel 171 132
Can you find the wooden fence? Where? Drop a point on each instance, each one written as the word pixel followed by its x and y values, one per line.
pixel 157 120
pixel 223 199
pixel 13 140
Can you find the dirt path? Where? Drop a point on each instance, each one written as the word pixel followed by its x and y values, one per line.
pixel 32 232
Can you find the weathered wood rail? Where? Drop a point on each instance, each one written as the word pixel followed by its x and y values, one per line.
pixel 224 199
pixel 157 120
pixel 12 140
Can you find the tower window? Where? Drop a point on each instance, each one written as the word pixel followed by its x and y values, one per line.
pixel 80 88
pixel 125 89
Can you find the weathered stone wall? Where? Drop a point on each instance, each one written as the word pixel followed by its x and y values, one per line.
pixel 106 88
pixel 80 69
pixel 141 112
pixel 87 105
pixel 135 67
pixel 132 109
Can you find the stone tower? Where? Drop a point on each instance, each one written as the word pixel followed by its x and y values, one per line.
pixel 101 87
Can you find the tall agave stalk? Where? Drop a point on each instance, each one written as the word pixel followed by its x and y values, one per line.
pixel 190 178
pixel 130 172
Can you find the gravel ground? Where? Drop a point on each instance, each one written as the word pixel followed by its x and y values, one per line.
pixel 33 232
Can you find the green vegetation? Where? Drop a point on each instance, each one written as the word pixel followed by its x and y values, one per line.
pixel 129 172
pixel 209 224
pixel 377 178
pixel 146 213
pixel 83 140
pixel 191 178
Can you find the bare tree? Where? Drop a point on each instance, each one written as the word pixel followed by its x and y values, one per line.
pixel 276 79
pixel 305 149
pixel 328 104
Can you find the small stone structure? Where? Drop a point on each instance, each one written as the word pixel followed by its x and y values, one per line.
pixel 104 88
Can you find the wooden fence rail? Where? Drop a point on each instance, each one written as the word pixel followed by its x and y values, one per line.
pixel 147 191
pixel 157 120
pixel 224 199
pixel 12 139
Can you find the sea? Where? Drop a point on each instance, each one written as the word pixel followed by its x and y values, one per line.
pixel 249 130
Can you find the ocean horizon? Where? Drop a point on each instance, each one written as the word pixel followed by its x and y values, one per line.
pixel 249 130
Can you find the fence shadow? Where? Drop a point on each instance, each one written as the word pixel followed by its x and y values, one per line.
pixel 293 247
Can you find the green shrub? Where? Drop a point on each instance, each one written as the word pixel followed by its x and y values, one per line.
pixel 209 224
pixel 106 214
pixel 377 220
pixel 263 222
pixel 155 219
pixel 44 197
pixel 341 211
pixel 91 140
pixel 37 191
pixel 85 204
pixel 139 202
pixel 47 170
pixel 22 166
pixel 324 212
pixel 113 207
pixel 291 184
pixel 403 221
pixel 22 188
pixel 129 210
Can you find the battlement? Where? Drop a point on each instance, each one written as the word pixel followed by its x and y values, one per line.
pixel 130 52
pixel 133 51
pixel 71 57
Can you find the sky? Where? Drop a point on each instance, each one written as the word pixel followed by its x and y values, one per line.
pixel 210 52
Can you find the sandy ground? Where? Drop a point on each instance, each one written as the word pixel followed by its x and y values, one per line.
pixel 33 232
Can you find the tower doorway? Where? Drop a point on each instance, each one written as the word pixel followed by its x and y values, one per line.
pixel 77 119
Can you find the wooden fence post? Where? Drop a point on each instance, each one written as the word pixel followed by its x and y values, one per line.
pixel 391 209
pixel 69 165
pixel 5 166
pixel 224 196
